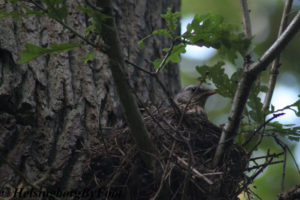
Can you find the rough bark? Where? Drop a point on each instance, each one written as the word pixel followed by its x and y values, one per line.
pixel 52 108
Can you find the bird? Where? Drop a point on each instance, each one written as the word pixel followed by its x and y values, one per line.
pixel 193 99
pixel 192 117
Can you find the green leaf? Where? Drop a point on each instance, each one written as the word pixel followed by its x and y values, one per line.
pixel 211 31
pixel 17 16
pixel 90 56
pixel 225 86
pixel 87 10
pixel 172 20
pixel 242 138
pixel 89 29
pixel 56 10
pixel 283 130
pixel 162 32
pixel 172 24
pixel 141 44
pixel 32 51
pixel 177 50
pixel 58 48
pixel 14 14
pixel 97 17
pixel 173 57
pixel 157 63
pixel 254 103
pixel 293 138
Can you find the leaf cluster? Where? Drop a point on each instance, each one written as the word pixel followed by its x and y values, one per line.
pixel 32 51
pixel 204 30
pixel 96 17
pixel 18 15
pixel 254 116
pixel 290 130
pixel 211 31
pixel 225 85
pixel 56 9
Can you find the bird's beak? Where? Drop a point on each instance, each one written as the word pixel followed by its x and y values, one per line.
pixel 210 92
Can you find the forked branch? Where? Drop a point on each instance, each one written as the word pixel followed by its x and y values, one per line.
pixel 250 73
pixel 276 63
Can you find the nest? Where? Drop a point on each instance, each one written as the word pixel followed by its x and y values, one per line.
pixel 186 146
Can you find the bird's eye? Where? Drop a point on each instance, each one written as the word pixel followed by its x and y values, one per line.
pixel 193 89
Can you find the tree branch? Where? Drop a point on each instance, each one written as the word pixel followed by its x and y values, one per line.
pixel 276 63
pixel 246 18
pixel 250 73
pixel 277 46
pixel 128 102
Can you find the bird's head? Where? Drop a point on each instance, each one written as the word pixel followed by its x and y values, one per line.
pixel 193 95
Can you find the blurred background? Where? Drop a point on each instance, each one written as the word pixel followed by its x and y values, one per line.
pixel 265 20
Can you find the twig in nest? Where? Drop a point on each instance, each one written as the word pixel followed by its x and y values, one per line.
pixel 195 171
pixel 164 175
pixel 118 171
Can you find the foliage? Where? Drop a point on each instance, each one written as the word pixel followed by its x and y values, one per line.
pixel 56 9
pixel 33 51
pixel 225 86
pixel 97 18
pixel 211 31
pixel 18 15
pixel 90 56
pixel 172 21
pixel 204 30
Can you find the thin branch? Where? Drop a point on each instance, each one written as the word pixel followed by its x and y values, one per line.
pixel 284 146
pixel 194 170
pixel 164 175
pixel 276 63
pixel 257 130
pixel 154 74
pixel 264 166
pixel 250 73
pixel 246 18
pixel 275 155
pixel 259 166
pixel 283 171
pixel 93 6
pixel 165 58
pixel 277 46
pixel 65 25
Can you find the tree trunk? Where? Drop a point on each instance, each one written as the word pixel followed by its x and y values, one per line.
pixel 54 108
